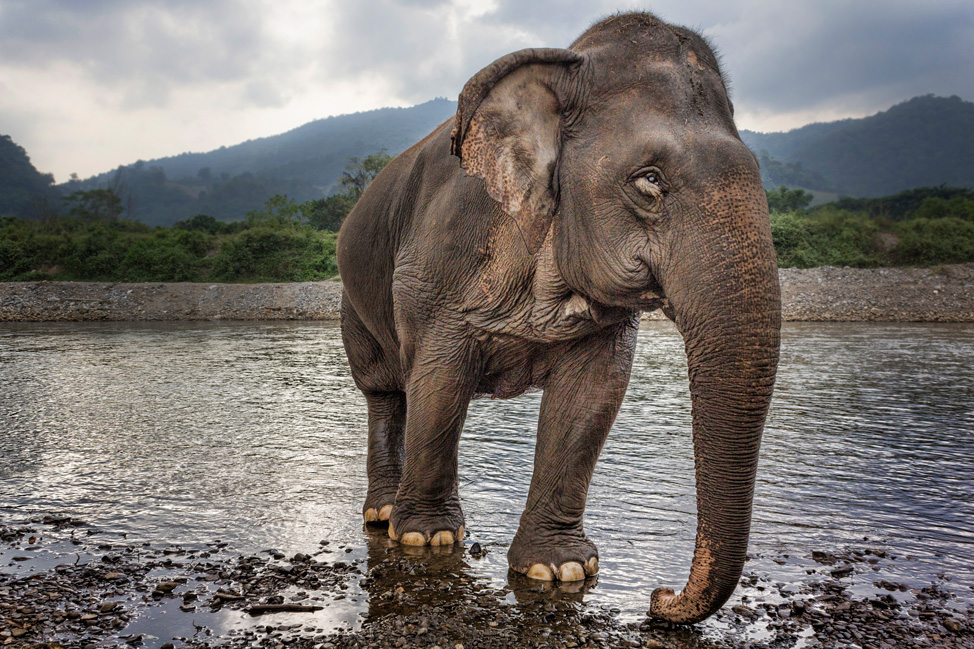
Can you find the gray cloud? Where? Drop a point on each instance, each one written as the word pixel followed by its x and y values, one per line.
pixel 781 56
pixel 786 61
pixel 144 49
pixel 861 56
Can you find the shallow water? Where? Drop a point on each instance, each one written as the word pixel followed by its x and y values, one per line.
pixel 253 434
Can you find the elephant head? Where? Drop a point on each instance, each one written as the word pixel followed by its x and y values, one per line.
pixel 621 153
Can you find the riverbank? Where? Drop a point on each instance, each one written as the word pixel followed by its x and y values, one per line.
pixel 67 583
pixel 827 294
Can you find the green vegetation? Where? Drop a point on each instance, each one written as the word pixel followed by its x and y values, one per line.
pixel 275 244
pixel 93 237
pixel 922 227
pixel 283 241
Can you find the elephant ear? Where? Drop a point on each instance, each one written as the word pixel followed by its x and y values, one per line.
pixel 508 131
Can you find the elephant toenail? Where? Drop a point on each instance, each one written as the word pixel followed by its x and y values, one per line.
pixel 371 516
pixel 444 537
pixel 541 572
pixel 392 533
pixel 571 571
pixel 413 538
pixel 592 566
pixel 385 512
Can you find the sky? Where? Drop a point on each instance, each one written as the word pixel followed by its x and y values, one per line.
pixel 88 85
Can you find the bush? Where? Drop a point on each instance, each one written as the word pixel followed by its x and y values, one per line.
pixel 167 256
pixel 845 239
pixel 94 256
pixel 793 241
pixel 937 208
pixel 926 242
pixel 14 261
pixel 208 224
pixel 826 238
pixel 277 254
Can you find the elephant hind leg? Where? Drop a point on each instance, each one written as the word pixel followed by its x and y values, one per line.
pixel 387 423
pixel 378 374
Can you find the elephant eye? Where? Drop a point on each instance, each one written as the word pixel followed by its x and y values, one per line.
pixel 649 182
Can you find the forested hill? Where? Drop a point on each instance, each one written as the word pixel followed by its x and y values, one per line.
pixel 24 191
pixel 316 152
pixel 925 141
pixel 305 163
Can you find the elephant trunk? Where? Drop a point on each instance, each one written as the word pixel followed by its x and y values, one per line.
pixel 727 306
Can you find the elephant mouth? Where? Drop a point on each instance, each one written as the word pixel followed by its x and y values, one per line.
pixel 651 301
pixel 652 297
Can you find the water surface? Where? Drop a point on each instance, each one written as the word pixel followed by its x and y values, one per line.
pixel 254 434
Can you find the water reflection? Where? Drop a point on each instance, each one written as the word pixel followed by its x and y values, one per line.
pixel 254 434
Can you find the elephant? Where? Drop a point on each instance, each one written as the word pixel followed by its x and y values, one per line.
pixel 516 247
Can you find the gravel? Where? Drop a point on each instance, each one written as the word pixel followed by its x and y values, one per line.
pixel 96 593
pixel 940 294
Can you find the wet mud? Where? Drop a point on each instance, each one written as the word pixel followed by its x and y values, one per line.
pixel 64 583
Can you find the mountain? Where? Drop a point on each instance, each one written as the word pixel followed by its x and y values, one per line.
pixel 304 163
pixel 24 191
pixel 316 153
pixel 925 141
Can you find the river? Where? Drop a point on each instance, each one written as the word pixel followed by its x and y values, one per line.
pixel 253 434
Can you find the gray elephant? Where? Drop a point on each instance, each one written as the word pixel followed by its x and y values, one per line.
pixel 515 247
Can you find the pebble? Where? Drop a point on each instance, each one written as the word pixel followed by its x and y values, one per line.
pixel 415 601
pixel 815 294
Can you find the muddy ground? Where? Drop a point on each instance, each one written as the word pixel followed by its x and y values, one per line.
pixel 941 294
pixel 64 583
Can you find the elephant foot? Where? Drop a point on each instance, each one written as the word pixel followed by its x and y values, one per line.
pixel 412 528
pixel 561 557
pixel 378 515
pixel 378 506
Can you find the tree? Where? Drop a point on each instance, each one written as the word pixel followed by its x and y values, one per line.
pixel 94 205
pixel 788 200
pixel 359 173
pixel 279 211
pixel 329 213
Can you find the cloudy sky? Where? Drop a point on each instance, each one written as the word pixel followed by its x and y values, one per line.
pixel 87 85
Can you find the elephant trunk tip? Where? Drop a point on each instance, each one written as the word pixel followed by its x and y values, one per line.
pixel 665 605
pixel 681 608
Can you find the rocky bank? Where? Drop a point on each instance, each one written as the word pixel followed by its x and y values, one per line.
pixel 64 583
pixel 940 294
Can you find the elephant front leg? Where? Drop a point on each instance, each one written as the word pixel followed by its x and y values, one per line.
pixel 387 422
pixel 582 395
pixel 427 509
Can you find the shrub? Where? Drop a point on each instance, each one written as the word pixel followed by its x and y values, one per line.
pixel 276 254
pixel 14 261
pixel 927 242
pixel 792 240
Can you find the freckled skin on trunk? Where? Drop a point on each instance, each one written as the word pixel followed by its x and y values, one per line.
pixel 515 247
pixel 732 354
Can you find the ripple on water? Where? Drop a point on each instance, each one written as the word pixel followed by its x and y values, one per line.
pixel 254 433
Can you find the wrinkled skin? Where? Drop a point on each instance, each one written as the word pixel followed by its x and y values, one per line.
pixel 517 245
